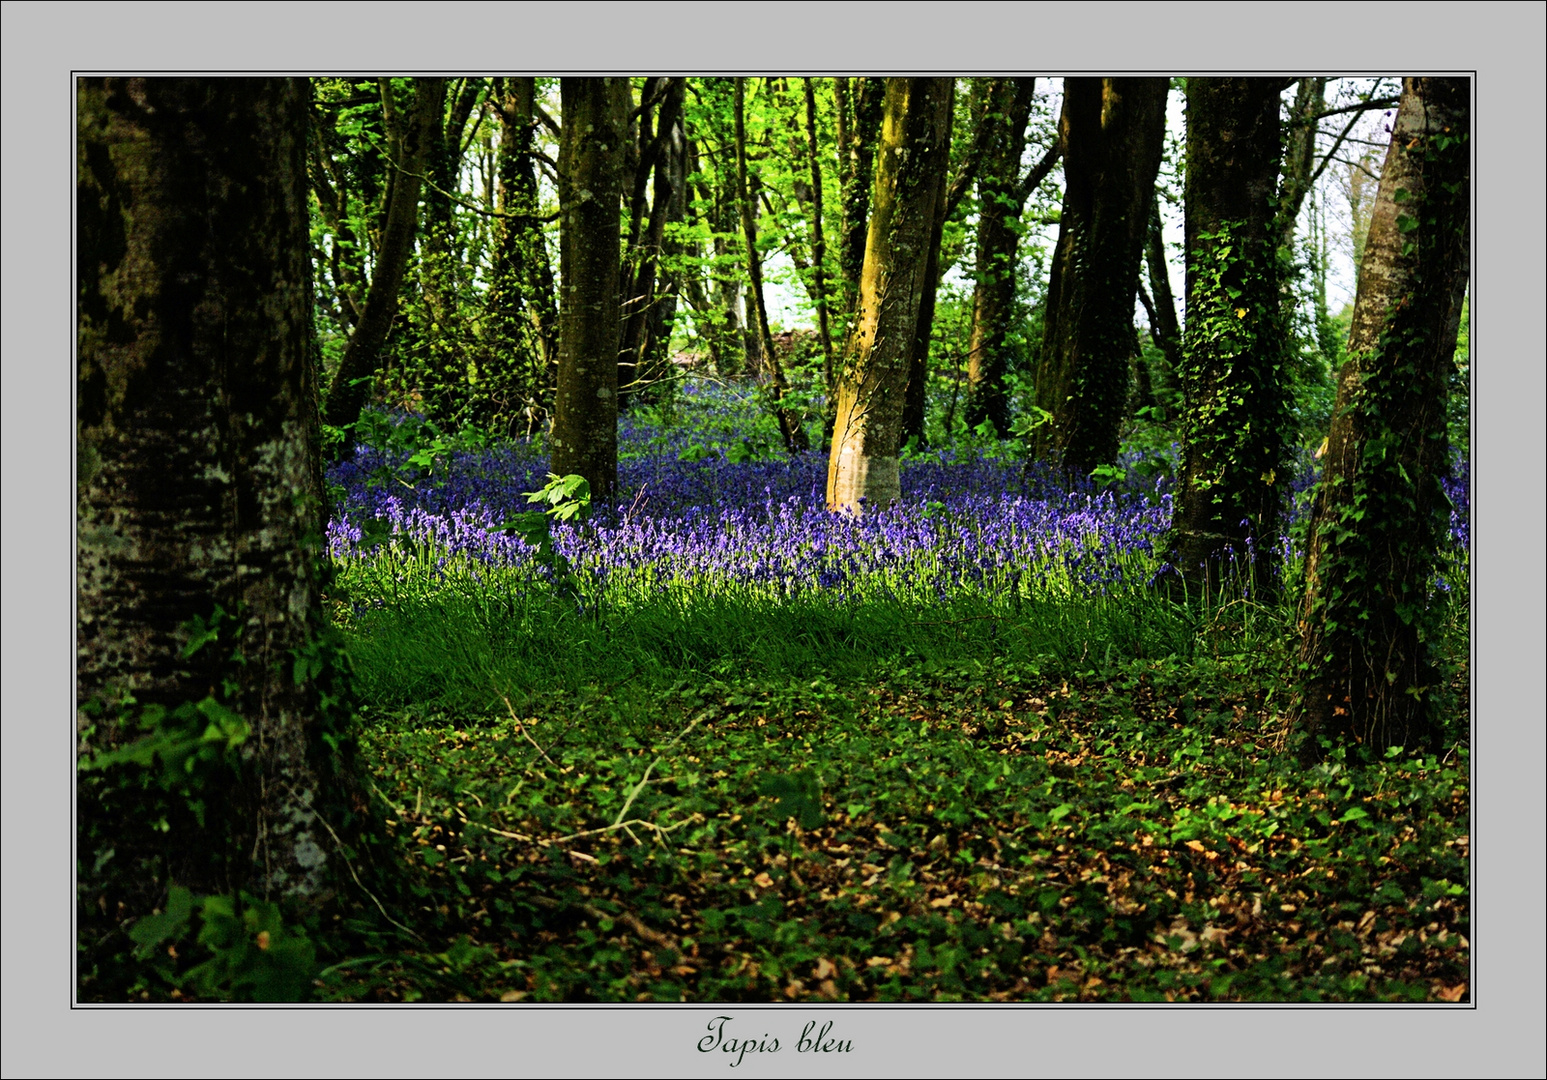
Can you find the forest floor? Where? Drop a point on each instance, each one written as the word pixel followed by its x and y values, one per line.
pixel 989 830
pixel 1004 792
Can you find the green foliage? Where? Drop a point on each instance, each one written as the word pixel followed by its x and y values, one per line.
pixel 250 952
pixel 799 797
pixel 568 498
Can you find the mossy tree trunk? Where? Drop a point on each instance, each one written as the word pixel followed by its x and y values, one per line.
pixel 1112 132
pixel 1380 512
pixel 1237 415
pixel 591 156
pixel 862 471
pixel 198 470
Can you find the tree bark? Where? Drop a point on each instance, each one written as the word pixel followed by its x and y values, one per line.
pixel 1236 420
pixel 862 471
pixel 591 154
pixel 362 356
pixel 999 210
pixel 1379 518
pixel 198 468
pixel 790 427
pixel 1112 132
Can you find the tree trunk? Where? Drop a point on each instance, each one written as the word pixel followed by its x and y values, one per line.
pixel 198 471
pixel 915 394
pixel 999 210
pixel 819 264
pixel 362 356
pixel 862 471
pixel 790 427
pixel 1161 305
pixel 1299 155
pixel 1112 132
pixel 859 150
pixel 1237 416
pixel 591 154
pixel 1379 518
pixel 649 289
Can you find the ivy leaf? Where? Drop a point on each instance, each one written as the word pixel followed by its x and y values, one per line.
pixel 798 794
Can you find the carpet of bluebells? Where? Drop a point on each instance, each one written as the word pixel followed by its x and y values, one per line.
pixel 702 506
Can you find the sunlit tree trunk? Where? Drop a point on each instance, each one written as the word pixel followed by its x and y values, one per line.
pixel 1112 132
pixel 1236 418
pixel 197 465
pixel 1379 518
pixel 362 356
pixel 862 471
pixel 591 155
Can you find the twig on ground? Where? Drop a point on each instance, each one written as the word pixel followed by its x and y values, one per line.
pixel 522 728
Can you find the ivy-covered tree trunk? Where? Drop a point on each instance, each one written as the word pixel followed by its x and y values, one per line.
pixel 1112 132
pixel 999 210
pixel 197 477
pixel 1236 418
pixel 516 369
pixel 862 470
pixel 1380 512
pixel 591 155
pixel 362 356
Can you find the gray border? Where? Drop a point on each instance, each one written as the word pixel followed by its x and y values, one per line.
pixel 1502 1036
